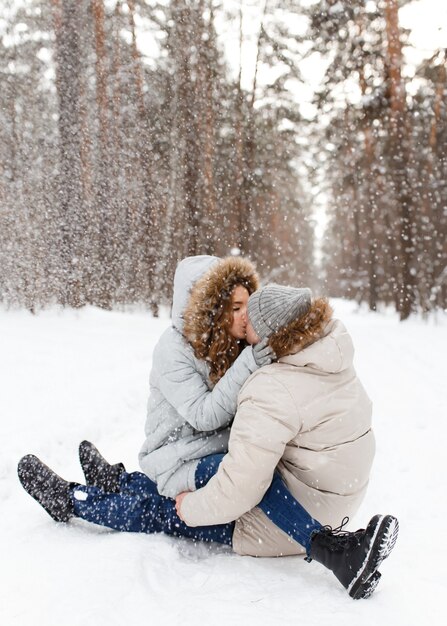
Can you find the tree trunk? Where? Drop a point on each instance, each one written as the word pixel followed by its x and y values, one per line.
pixel 206 199
pixel 369 194
pixel 150 217
pixel 238 203
pixel 68 70
pixel 399 146
pixel 105 212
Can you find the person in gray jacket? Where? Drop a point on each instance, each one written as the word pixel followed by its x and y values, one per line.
pixel 199 366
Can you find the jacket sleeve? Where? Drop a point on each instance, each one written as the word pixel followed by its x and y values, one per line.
pixel 186 390
pixel 265 422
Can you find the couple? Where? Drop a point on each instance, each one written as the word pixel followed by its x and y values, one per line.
pixel 301 445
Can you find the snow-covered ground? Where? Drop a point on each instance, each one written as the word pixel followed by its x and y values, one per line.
pixel 67 376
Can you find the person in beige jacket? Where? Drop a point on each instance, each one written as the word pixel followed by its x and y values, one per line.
pixel 307 417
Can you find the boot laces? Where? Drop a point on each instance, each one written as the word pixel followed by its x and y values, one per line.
pixel 339 530
pixel 337 538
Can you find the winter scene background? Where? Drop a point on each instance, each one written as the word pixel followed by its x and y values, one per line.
pixel 74 375
pixel 308 135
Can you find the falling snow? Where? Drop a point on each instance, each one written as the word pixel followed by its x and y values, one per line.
pixel 71 375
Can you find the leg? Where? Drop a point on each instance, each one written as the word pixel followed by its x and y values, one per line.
pixel 136 506
pixel 148 512
pixel 287 513
pixel 207 467
pixel 137 483
pixel 111 478
pixel 278 503
pixel 144 514
pixel 354 557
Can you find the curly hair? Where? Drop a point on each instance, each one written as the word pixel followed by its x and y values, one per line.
pixel 304 330
pixel 209 314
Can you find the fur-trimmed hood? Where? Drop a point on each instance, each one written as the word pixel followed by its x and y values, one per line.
pixel 332 353
pixel 304 330
pixel 208 292
pixel 188 272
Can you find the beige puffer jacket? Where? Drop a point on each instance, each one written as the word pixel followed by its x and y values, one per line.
pixel 307 415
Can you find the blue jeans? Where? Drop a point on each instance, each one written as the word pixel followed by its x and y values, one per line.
pixel 139 508
pixel 278 504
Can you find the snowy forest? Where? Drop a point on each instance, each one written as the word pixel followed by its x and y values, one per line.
pixel 115 163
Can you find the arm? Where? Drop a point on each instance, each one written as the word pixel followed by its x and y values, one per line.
pixel 265 422
pixel 186 390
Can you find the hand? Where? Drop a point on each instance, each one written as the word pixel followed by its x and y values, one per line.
pixel 263 354
pixel 178 503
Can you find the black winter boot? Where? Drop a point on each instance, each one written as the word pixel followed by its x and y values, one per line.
pixel 354 557
pixel 97 471
pixel 50 490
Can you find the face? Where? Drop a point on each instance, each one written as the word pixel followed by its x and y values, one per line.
pixel 252 337
pixel 239 299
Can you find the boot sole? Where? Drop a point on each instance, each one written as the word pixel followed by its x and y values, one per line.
pixel 369 586
pixel 382 543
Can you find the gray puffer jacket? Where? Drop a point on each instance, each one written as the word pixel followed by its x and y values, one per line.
pixel 187 417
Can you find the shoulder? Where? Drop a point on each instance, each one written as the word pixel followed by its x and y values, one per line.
pixel 174 358
pixel 172 347
pixel 266 410
pixel 171 337
pixel 268 386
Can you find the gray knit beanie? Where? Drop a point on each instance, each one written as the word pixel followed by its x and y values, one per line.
pixel 273 307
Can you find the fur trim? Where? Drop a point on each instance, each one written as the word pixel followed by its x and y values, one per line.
pixel 303 331
pixel 208 296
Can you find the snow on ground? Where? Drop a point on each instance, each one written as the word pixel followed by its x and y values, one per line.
pixel 67 376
